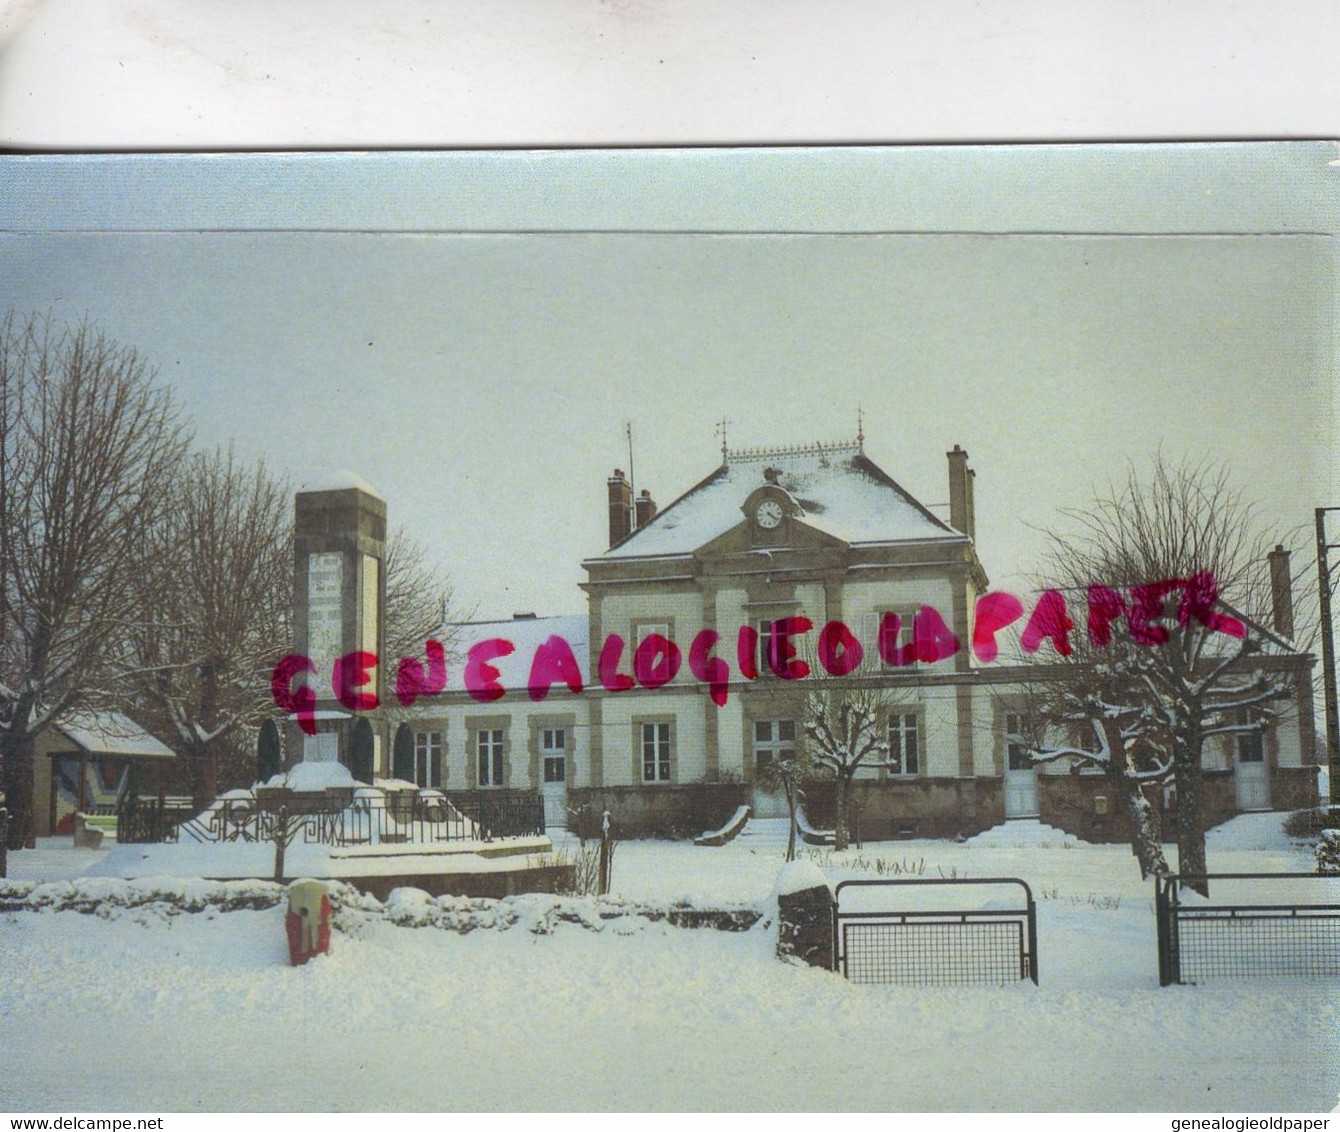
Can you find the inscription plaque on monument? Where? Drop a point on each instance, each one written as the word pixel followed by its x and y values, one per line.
pixel 325 585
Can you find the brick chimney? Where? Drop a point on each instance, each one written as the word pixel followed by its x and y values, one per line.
pixel 960 493
pixel 646 508
pixel 1281 590
pixel 621 506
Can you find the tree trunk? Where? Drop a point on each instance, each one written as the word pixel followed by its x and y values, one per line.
pixel 18 756
pixel 1146 829
pixel 204 766
pixel 792 802
pixel 1190 818
pixel 203 769
pixel 841 834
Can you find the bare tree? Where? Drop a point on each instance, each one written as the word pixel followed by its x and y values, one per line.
pixel 1177 570
pixel 842 724
pixel 420 606
pixel 789 773
pixel 419 600
pixel 201 653
pixel 1085 714
pixel 88 448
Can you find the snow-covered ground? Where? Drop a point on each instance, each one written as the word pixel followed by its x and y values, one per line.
pixel 148 1011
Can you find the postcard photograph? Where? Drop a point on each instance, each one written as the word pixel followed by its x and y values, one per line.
pixel 773 630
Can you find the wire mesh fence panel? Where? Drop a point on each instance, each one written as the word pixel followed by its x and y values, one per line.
pixel 934 954
pixel 1245 946
pixel 1291 931
pixel 901 943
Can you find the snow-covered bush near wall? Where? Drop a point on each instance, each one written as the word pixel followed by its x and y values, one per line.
pixel 104 895
pixel 1309 823
pixel 1328 853
pixel 538 913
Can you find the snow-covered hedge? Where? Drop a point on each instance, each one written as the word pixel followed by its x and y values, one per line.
pixel 539 913
pixel 1328 852
pixel 354 910
pixel 100 895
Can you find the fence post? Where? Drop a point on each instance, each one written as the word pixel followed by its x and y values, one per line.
pixel 604 853
pixel 1166 924
pixel 4 842
pixel 281 841
pixel 1032 937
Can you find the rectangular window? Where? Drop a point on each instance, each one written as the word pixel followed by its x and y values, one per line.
pixel 645 629
pixel 656 752
pixel 774 739
pixel 904 743
pixel 489 746
pixel 870 627
pixel 763 626
pixel 428 758
pixel 1016 751
pixel 1251 745
pixel 554 753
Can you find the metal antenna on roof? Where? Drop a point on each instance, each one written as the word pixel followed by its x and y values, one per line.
pixel 721 428
pixel 632 482
pixel 860 428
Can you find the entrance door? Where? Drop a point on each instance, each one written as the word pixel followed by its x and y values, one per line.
pixel 1021 783
pixel 554 776
pixel 1253 783
pixel 773 739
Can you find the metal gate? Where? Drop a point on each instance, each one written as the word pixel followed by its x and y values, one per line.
pixel 937 944
pixel 1243 939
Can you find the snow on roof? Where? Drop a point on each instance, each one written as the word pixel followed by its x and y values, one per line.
pixel 112 734
pixel 842 492
pixel 325 478
pixel 527 634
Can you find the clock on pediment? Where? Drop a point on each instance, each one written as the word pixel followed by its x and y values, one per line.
pixel 768 514
pixel 767 508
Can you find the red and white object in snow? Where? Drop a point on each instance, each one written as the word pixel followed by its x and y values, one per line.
pixel 307 921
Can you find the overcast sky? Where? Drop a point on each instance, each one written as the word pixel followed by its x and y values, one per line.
pixel 482 380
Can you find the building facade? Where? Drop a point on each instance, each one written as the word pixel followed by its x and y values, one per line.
pixel 661 701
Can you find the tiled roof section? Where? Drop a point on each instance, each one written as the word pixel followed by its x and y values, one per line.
pixel 842 492
pixel 526 634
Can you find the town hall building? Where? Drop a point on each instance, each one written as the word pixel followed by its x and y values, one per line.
pixel 660 702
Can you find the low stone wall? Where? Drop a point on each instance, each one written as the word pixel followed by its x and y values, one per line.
pixel 656 811
pixel 1294 787
pixel 1071 802
pixel 493 885
pixel 886 810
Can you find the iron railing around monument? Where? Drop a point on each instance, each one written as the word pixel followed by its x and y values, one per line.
pixel 150 821
pixel 341 818
pixel 502 813
pixel 1291 930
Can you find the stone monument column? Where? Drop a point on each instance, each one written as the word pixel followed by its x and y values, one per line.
pixel 339 601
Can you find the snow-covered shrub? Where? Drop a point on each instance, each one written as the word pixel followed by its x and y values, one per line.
pixel 1328 852
pixel 1309 823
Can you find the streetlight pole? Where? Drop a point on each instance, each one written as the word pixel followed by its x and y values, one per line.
pixel 1328 655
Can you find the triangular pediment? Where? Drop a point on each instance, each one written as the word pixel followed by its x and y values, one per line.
pixel 743 538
